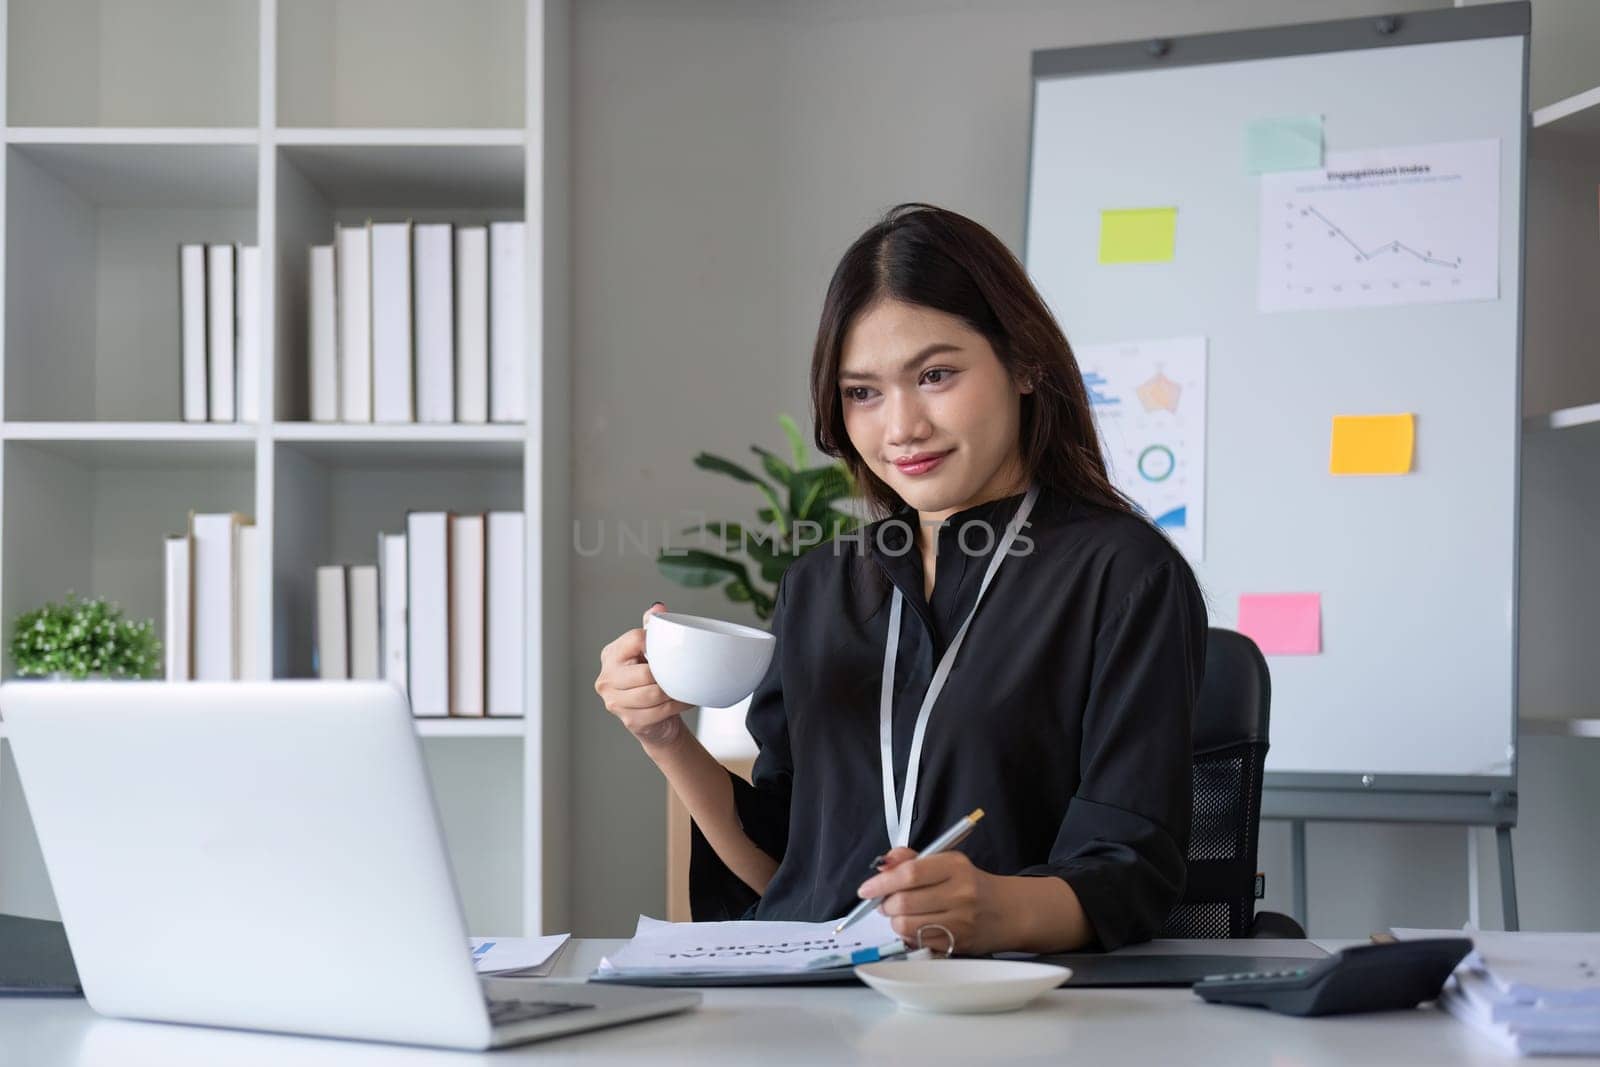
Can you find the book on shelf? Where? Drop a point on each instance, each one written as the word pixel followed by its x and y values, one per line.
pixel 249 341
pixel 178 606
pixel 365 658
pixel 353 260
pixel 434 327
pixel 472 324
pixel 392 606
pixel 419 322
pixel 215 618
pixel 248 605
pixel 504 612
pixel 192 331
pixel 323 343
pixel 508 384
pixel 330 655
pixel 391 322
pixel 466 615
pixel 220 332
pixel 428 611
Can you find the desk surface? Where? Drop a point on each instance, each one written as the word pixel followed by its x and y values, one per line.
pixel 802 1025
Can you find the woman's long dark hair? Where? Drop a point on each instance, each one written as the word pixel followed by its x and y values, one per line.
pixel 934 258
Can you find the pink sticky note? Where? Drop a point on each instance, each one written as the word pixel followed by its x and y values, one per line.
pixel 1282 624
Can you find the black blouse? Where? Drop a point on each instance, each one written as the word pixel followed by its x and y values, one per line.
pixel 1066 716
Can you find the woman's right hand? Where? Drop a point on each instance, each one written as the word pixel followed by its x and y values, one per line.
pixel 630 691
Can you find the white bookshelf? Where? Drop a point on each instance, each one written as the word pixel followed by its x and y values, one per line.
pixel 131 126
pixel 1560 583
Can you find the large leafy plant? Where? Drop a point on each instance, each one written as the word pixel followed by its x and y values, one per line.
pixel 82 638
pixel 800 510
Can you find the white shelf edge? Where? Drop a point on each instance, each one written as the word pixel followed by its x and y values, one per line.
pixel 134 135
pixel 450 728
pixel 402 136
pixel 471 727
pixel 1561 109
pixel 1560 727
pixel 1582 415
pixel 128 431
pixel 400 432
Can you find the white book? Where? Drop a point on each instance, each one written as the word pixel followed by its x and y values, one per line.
pixel 175 631
pixel 428 611
pixel 354 263
pixel 392 606
pixel 472 324
pixel 247 547
pixel 323 345
pixel 391 322
pixel 192 330
pixel 332 655
pixel 220 329
pixel 365 662
pixel 508 359
pixel 466 615
pixel 216 583
pixel 505 613
pixel 249 334
pixel 432 247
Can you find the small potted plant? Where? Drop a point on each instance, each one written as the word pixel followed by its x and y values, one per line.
pixel 83 639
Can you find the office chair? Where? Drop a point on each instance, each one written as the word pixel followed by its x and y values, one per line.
pixel 1230 748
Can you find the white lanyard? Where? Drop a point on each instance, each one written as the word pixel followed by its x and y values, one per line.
pixel 898 817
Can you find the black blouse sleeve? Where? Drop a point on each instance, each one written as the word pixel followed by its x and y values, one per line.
pixel 1122 844
pixel 762 804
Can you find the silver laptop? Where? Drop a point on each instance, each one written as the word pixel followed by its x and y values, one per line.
pixel 266 855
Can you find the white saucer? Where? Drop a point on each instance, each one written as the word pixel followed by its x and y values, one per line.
pixel 962 986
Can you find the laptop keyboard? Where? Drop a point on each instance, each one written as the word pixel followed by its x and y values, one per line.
pixel 503 1012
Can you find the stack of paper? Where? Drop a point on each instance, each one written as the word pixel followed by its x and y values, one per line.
pixel 1534 994
pixel 662 949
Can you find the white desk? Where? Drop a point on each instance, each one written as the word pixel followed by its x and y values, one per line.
pixel 813 1025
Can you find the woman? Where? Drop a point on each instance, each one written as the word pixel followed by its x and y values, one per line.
pixel 941 380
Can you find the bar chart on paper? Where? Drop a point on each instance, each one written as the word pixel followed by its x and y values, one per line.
pixel 1387 226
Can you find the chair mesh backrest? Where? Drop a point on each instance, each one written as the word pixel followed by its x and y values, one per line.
pixel 1219 898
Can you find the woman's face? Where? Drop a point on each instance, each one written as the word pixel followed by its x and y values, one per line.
pixel 930 408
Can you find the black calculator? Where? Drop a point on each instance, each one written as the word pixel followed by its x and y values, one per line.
pixel 1380 977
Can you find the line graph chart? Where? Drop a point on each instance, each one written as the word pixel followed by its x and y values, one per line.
pixel 1387 226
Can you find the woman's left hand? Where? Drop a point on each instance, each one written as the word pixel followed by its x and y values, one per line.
pixel 943 889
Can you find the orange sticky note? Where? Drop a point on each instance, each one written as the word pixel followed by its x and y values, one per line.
pixel 1372 444
pixel 1282 624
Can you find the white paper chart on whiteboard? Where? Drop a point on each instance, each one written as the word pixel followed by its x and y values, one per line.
pixel 1149 403
pixel 1411 225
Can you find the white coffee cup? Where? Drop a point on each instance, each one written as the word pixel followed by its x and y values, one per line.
pixel 703 661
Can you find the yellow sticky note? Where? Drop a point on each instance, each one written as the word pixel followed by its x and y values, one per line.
pixel 1138 235
pixel 1373 444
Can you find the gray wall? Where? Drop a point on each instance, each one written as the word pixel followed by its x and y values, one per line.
pixel 724 155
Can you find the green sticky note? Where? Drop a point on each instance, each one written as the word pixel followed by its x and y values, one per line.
pixel 1138 235
pixel 1293 143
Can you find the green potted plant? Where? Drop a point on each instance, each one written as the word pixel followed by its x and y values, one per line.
pixel 801 508
pixel 83 639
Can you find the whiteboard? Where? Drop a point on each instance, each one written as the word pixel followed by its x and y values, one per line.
pixel 1417 573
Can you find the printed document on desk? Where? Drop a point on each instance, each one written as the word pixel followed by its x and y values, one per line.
pixel 516 957
pixel 663 949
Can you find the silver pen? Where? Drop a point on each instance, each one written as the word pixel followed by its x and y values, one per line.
pixel 945 841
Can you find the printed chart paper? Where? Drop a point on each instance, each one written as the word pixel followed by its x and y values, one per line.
pixel 1149 402
pixel 1411 225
